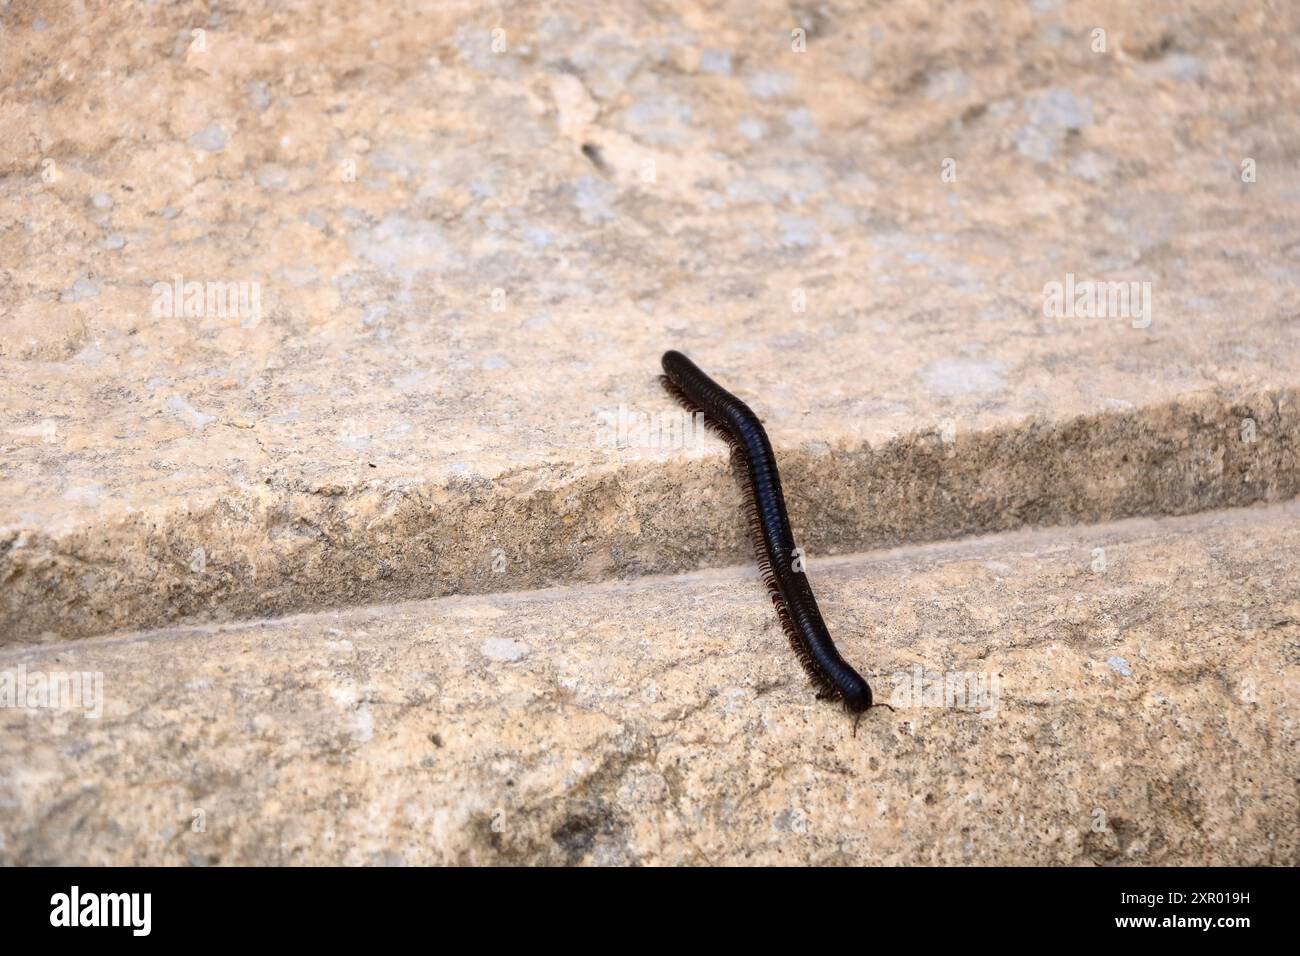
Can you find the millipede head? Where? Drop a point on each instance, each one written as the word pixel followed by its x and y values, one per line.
pixel 856 695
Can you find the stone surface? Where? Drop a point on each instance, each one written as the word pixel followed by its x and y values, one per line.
pixel 468 245
pixel 1146 712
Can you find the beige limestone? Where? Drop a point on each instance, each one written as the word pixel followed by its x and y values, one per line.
pixel 1146 712
pixel 452 290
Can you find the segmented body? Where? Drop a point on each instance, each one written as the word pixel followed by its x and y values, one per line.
pixel 773 539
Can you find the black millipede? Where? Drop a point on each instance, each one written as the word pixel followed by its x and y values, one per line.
pixel 769 527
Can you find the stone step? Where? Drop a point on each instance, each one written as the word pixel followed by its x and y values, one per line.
pixel 263 539
pixel 1130 694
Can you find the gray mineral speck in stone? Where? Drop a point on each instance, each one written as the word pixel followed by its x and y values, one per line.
pixel 797 230
pixel 801 123
pixel 752 128
pixel 1093 167
pixel 402 246
pixel 1120 666
pixel 299 276
pixel 90 355
pixel 504 649
pixel 211 139
pixel 1183 67
pixel 271 176
pixel 258 98
pixel 1031 141
pixel 770 84
pixel 83 288
pixel 716 61
pixel 1060 109
pixel 538 236
pixel 187 413
pixel 594 197
pixel 953 377
pixel 660 120
pixel 947 84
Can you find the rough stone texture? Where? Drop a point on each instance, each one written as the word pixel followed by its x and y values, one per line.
pixel 465 255
pixel 1147 713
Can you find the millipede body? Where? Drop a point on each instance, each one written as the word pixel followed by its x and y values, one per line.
pixel 774 546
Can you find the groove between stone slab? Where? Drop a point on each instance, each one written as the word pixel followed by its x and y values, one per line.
pixel 288 549
pixel 664 721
